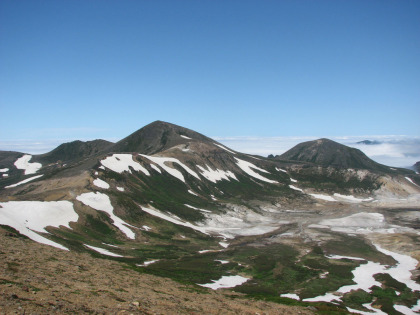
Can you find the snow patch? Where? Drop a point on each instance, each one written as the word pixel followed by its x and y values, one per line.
pixel 224 244
pixel 222 147
pixel 185 137
pixel 293 180
pixel 172 171
pixel 225 282
pixel 192 193
pixel 100 183
pixel 290 296
pixel 147 263
pixel 120 188
pixel 120 163
pixel 101 202
pixel 295 188
pixel 281 170
pixel 146 228
pixel 29 216
pixel 215 175
pixel 223 262
pixel 4 170
pixel 24 181
pixel 5 175
pixel 197 208
pixel 411 181
pixel 323 197
pixel 22 163
pixel 103 251
pixel 351 198
pixel 247 168
pixel 157 169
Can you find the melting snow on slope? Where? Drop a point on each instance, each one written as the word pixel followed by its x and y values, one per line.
pixel 147 263
pixel 24 181
pixel 100 183
pixel 364 278
pixel 295 188
pixel 247 168
pixel 29 216
pixel 103 251
pixel 291 296
pixel 197 208
pixel 226 282
pixel 323 197
pixel 22 163
pixel 185 137
pixel 192 193
pixel 122 162
pixel 281 170
pixel 172 171
pixel 101 202
pixel 411 181
pixel 222 147
pixel 215 175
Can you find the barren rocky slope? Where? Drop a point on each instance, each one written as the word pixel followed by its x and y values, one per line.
pixel 39 279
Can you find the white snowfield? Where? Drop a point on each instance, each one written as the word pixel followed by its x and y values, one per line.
pixel 101 184
pixel 159 160
pixel 29 216
pixel 122 162
pixel 25 181
pixel 225 282
pixel 102 251
pixel 222 147
pixel 364 279
pixel 101 202
pixel 247 168
pixel 22 163
pixel 215 175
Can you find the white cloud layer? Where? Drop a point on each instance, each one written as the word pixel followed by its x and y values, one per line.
pixel 397 151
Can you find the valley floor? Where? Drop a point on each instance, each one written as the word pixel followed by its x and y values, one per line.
pixel 40 279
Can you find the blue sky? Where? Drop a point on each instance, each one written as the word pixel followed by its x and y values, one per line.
pixel 103 69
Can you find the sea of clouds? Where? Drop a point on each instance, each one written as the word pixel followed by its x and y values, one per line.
pixel 397 151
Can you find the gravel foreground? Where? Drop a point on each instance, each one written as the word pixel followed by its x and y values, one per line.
pixel 40 279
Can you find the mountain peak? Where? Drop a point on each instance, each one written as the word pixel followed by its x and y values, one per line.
pixel 157 136
pixel 326 152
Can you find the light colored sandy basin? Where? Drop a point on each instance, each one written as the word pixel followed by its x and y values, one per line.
pixel 22 163
pixel 225 282
pixel 101 202
pixel 29 216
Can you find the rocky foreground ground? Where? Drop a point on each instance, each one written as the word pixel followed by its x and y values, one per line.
pixel 39 279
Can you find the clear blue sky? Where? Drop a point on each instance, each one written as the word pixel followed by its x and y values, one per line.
pixel 103 69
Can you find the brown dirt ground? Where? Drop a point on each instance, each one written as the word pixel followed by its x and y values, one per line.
pixel 39 279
